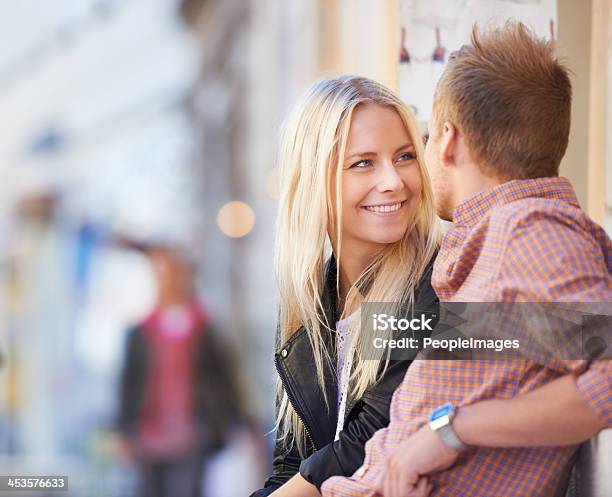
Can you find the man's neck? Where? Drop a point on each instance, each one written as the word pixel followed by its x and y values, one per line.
pixel 472 182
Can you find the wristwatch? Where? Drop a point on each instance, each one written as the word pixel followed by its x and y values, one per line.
pixel 440 422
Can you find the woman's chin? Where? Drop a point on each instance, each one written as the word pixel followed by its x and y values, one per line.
pixel 373 238
pixel 387 238
pixel 389 234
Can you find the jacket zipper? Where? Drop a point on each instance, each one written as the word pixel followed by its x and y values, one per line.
pixel 292 399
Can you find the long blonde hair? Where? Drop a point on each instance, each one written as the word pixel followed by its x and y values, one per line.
pixel 312 148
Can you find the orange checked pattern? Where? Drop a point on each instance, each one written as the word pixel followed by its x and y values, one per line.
pixel 524 241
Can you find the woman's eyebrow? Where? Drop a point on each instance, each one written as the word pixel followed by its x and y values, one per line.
pixel 408 145
pixel 361 154
pixel 373 154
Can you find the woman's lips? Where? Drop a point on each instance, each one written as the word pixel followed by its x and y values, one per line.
pixel 386 210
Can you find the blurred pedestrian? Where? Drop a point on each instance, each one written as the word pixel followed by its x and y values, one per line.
pixel 178 396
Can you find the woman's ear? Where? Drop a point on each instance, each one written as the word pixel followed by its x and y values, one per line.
pixel 448 144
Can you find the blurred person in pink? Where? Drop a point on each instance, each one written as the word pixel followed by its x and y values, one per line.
pixel 178 395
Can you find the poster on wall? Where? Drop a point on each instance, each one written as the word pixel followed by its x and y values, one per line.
pixel 430 30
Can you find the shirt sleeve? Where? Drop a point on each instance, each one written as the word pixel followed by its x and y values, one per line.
pixel 595 387
pixel 547 259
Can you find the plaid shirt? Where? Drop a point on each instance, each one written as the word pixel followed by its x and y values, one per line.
pixel 524 241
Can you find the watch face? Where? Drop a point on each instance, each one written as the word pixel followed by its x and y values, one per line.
pixel 443 411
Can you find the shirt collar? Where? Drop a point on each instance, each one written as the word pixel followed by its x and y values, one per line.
pixel 472 210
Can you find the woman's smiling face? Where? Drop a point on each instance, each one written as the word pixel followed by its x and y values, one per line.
pixel 380 180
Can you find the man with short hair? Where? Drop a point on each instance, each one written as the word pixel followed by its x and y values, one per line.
pixel 499 428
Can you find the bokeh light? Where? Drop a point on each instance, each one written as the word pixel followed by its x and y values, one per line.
pixel 236 219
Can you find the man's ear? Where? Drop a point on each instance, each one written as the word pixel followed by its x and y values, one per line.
pixel 448 144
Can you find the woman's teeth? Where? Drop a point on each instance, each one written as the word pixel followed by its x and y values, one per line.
pixel 384 208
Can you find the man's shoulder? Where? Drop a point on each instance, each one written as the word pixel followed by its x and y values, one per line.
pixel 551 230
pixel 549 250
pixel 543 226
pixel 535 213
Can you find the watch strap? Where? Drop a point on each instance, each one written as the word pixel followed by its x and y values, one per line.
pixel 450 438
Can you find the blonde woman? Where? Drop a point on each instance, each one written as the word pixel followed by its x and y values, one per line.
pixel 356 224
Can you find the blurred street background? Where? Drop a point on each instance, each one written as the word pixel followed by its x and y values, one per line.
pixel 138 140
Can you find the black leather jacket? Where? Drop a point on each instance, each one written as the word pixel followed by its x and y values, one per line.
pixel 295 364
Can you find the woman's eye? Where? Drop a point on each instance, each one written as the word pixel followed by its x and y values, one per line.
pixel 406 156
pixel 361 164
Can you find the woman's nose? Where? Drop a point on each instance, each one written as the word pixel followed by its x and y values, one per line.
pixel 388 179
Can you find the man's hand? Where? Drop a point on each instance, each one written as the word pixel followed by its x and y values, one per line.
pixel 422 488
pixel 424 453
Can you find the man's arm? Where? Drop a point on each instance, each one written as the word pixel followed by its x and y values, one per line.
pixel 553 415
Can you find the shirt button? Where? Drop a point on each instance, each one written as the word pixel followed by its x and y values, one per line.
pixel 284 353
